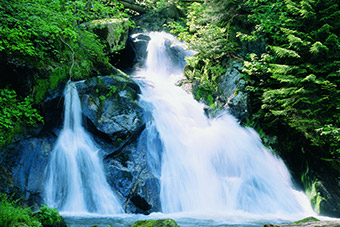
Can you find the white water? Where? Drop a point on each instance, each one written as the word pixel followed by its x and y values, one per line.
pixel 209 166
pixel 75 181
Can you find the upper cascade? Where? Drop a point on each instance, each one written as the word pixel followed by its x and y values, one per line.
pixel 208 165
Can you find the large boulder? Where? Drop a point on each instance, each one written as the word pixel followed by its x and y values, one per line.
pixel 113 32
pixel 113 116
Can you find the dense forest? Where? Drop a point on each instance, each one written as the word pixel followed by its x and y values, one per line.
pixel 289 50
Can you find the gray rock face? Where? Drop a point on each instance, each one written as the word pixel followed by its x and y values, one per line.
pixel 111 104
pixel 22 168
pixel 112 116
pixel 232 89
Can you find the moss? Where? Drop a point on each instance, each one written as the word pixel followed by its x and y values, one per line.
pixel 308 219
pixel 99 81
pixel 156 223
pixel 40 90
pixel 311 189
pixel 59 74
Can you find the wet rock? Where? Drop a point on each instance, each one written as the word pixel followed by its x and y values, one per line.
pixel 321 183
pixel 22 168
pixel 233 95
pixel 129 172
pixel 139 43
pixel 114 117
pixel 111 104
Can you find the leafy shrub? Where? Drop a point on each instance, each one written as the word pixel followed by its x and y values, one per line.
pixel 14 114
pixel 52 36
pixel 50 217
pixel 12 214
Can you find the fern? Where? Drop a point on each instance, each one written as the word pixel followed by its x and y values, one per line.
pixel 307 10
pixel 292 7
pixel 284 53
pixel 318 48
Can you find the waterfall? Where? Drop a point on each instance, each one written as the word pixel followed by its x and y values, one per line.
pixel 75 180
pixel 207 165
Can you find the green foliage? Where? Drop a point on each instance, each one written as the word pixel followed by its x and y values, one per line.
pixel 297 86
pixel 51 38
pixel 12 214
pixel 32 28
pixel 161 4
pixel 51 35
pixel 41 88
pixel 49 216
pixel 265 15
pixel 102 98
pixel 112 90
pixel 14 114
pixel 209 30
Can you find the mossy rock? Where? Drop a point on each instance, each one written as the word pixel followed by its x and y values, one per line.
pixel 308 219
pixel 156 223
pixel 113 32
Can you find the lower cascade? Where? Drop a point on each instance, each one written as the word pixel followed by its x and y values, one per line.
pixel 207 165
pixel 75 180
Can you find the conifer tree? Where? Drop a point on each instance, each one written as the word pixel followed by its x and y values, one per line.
pixel 302 88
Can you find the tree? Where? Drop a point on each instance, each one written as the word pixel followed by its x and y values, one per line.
pixel 302 88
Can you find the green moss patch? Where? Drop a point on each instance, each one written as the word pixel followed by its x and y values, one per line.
pixel 308 219
pixel 156 223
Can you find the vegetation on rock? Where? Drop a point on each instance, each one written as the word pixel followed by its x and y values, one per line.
pixel 156 223
pixel 44 43
pixel 13 214
pixel 308 219
pixel 15 114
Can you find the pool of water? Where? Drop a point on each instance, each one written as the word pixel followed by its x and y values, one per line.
pixel 184 220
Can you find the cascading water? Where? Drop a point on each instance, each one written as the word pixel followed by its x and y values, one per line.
pixel 208 165
pixel 75 180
